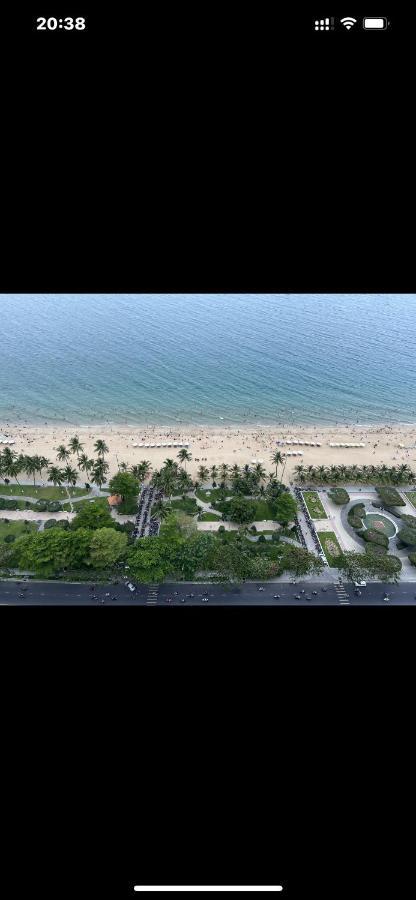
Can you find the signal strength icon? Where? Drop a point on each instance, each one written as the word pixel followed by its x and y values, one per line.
pixel 348 22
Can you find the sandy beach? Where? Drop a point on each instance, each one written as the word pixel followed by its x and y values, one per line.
pixel 216 445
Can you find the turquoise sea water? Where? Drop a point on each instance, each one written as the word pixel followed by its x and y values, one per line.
pixel 196 358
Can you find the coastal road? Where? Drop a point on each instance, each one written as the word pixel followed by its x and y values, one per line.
pixel 48 593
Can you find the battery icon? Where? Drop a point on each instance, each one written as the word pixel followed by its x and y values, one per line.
pixel 375 24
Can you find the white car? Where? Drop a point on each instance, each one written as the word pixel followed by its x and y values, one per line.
pixel 360 583
pixel 130 586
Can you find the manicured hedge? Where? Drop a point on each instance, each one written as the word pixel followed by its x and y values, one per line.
pixel 390 497
pixel 356 515
pixel 374 537
pixel 407 536
pixel 8 504
pixel 408 520
pixel 412 558
pixel 339 496
pixel 376 549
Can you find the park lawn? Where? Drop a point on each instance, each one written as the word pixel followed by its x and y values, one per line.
pixel 330 547
pixel 15 528
pixel 40 493
pixel 98 501
pixel 210 495
pixel 263 511
pixel 188 505
pixel 411 496
pixel 315 508
pixel 210 517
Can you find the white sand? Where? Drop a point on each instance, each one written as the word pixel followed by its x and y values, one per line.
pixel 209 445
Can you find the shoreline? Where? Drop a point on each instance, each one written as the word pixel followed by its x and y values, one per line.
pixel 222 443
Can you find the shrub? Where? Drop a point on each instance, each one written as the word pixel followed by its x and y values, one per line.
pixel 53 506
pixel 356 515
pixel 262 539
pixel 41 505
pixel 408 520
pixel 376 549
pixel 339 496
pixel 9 538
pixel 50 523
pixel 412 558
pixel 355 522
pixel 390 497
pixel 374 537
pixel 221 529
pixel 253 529
pixel 275 537
pixel 407 536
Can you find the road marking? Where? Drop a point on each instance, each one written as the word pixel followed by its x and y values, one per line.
pixel 343 596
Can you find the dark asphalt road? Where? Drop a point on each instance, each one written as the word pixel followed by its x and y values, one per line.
pixel 62 594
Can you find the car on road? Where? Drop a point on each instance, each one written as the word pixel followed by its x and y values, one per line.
pixel 130 586
pixel 360 583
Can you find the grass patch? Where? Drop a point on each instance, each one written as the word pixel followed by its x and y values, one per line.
pixel 208 496
pixel 330 547
pixel 209 517
pixel 128 507
pixel 187 505
pixel 40 493
pixel 98 501
pixel 411 496
pixel 314 505
pixel 15 528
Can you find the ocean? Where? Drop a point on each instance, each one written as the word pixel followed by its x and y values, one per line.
pixel 219 358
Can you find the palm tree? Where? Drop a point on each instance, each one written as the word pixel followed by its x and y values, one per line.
pixel 55 475
pixel 123 467
pixel 99 472
pixel 168 482
pixel 235 469
pixel 161 511
pixel 260 472
pixel 203 473
pixel 31 467
pixel 141 470
pixel 11 464
pixel 184 455
pixel 224 472
pixel 62 453
pixel 100 447
pixel 170 465
pixel 70 475
pixel 75 445
pixel 277 459
pixel 184 482
pixel 214 473
pixel 84 463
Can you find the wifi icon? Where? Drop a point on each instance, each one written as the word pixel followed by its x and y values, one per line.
pixel 348 22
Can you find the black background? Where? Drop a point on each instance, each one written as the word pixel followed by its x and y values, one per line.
pixel 206 150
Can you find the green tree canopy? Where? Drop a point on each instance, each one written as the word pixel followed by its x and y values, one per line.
pixel 125 484
pixel 240 510
pixel 93 515
pixel 285 508
pixel 107 546
pixel 407 536
pixel 359 566
pixel 339 495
